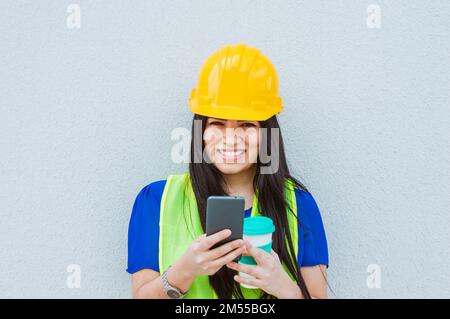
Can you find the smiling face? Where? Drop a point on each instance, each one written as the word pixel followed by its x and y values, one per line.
pixel 232 146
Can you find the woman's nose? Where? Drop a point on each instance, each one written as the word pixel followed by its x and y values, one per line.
pixel 232 135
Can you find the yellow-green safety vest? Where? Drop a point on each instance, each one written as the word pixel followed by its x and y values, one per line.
pixel 180 224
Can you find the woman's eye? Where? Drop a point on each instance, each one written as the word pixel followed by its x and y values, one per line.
pixel 248 124
pixel 215 123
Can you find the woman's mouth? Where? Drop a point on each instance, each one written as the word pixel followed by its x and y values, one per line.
pixel 230 155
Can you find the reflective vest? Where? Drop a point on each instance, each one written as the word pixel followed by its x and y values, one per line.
pixel 180 224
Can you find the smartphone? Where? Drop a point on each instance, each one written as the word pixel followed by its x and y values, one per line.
pixel 225 212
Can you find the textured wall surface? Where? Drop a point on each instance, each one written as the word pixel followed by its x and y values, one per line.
pixel 86 116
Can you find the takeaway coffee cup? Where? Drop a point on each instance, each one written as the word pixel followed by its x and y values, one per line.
pixel 258 231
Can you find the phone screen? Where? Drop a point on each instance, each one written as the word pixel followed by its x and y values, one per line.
pixel 225 212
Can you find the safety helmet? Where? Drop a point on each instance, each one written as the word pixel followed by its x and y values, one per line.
pixel 237 82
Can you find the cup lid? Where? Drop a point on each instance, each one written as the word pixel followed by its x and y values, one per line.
pixel 258 225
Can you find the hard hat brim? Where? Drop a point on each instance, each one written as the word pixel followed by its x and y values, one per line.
pixel 229 112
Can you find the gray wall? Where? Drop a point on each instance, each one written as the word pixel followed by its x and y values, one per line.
pixel 86 116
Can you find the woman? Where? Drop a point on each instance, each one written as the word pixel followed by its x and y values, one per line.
pixel 240 153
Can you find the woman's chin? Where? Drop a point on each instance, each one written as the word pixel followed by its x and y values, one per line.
pixel 231 168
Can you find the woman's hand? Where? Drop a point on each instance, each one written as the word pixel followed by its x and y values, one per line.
pixel 200 260
pixel 269 274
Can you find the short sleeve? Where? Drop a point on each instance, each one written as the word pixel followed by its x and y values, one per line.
pixel 143 229
pixel 313 247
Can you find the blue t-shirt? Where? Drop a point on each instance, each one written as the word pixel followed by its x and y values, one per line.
pixel 143 231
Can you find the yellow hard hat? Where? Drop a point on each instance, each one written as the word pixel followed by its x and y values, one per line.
pixel 237 82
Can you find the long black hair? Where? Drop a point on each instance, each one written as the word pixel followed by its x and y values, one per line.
pixel 207 180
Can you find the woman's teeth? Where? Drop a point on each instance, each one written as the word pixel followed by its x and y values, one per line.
pixel 231 155
pixel 228 153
